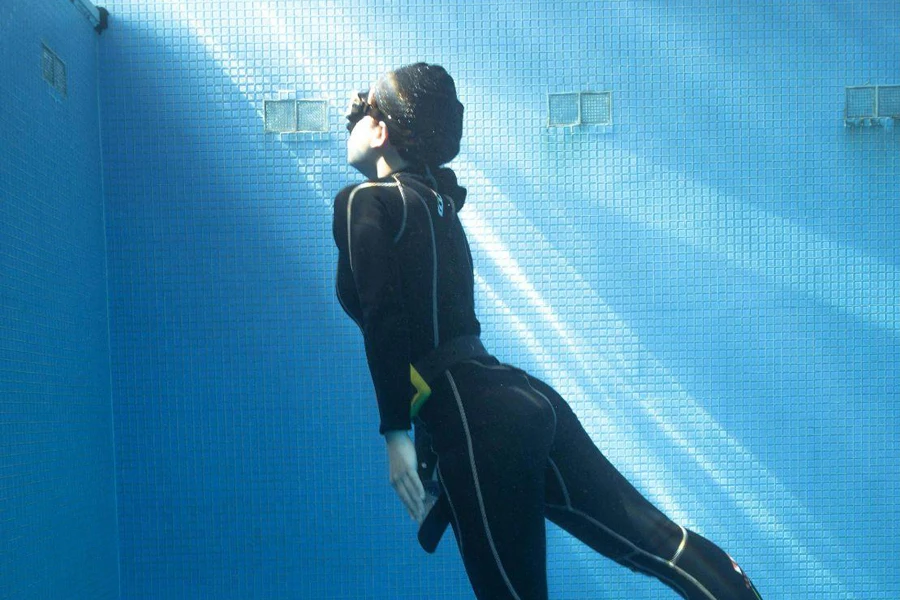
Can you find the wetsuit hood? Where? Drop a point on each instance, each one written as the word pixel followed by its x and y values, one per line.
pixel 444 176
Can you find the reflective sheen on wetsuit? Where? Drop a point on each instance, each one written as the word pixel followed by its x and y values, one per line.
pixel 510 451
pixel 411 283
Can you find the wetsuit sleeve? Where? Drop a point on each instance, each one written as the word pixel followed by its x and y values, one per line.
pixel 376 273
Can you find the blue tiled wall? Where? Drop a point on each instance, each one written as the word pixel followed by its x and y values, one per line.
pixel 58 535
pixel 712 283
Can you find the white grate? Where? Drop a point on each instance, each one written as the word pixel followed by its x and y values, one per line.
pixel 296 116
pixel 872 106
pixel 889 101
pixel 280 116
pixel 596 108
pixel 860 102
pixel 579 108
pixel 563 109
pixel 312 116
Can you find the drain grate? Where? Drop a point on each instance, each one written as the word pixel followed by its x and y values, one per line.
pixel 53 69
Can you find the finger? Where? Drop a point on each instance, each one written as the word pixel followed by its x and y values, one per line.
pixel 413 485
pixel 403 493
pixel 418 503
pixel 418 487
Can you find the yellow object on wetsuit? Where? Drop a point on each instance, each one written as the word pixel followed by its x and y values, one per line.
pixel 422 391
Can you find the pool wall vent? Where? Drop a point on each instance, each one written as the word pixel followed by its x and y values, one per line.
pixel 872 106
pixel 579 108
pixel 291 115
pixel 53 70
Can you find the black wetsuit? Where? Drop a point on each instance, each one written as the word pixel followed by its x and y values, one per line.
pixel 509 449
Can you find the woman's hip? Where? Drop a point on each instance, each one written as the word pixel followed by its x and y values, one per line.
pixel 484 397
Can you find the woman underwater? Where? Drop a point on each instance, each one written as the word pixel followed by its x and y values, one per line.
pixel 501 448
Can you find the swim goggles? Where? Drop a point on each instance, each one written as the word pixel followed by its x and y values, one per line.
pixel 360 108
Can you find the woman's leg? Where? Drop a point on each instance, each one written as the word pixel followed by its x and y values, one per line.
pixel 494 477
pixel 590 499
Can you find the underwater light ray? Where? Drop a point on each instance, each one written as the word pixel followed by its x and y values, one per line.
pixel 594 418
pixel 745 237
pixel 241 77
pixel 256 89
pixel 238 71
pixel 593 307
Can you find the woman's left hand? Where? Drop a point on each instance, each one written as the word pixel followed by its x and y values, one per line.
pixel 404 476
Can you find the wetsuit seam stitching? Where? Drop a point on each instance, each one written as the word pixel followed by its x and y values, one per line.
pixel 434 274
pixel 681 546
pixel 337 291
pixel 403 220
pixel 452 203
pixel 481 507
pixel 452 507
pixel 434 269
pixel 547 400
pixel 624 539
pixel 350 213
pixel 562 483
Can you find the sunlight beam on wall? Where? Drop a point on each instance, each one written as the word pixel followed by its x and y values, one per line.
pixel 632 376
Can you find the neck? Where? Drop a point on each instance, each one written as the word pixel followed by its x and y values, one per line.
pixel 387 165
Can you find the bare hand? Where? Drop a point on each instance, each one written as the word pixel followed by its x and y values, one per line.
pixel 404 476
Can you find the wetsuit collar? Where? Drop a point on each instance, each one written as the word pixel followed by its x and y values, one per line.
pixel 443 177
pixel 410 168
